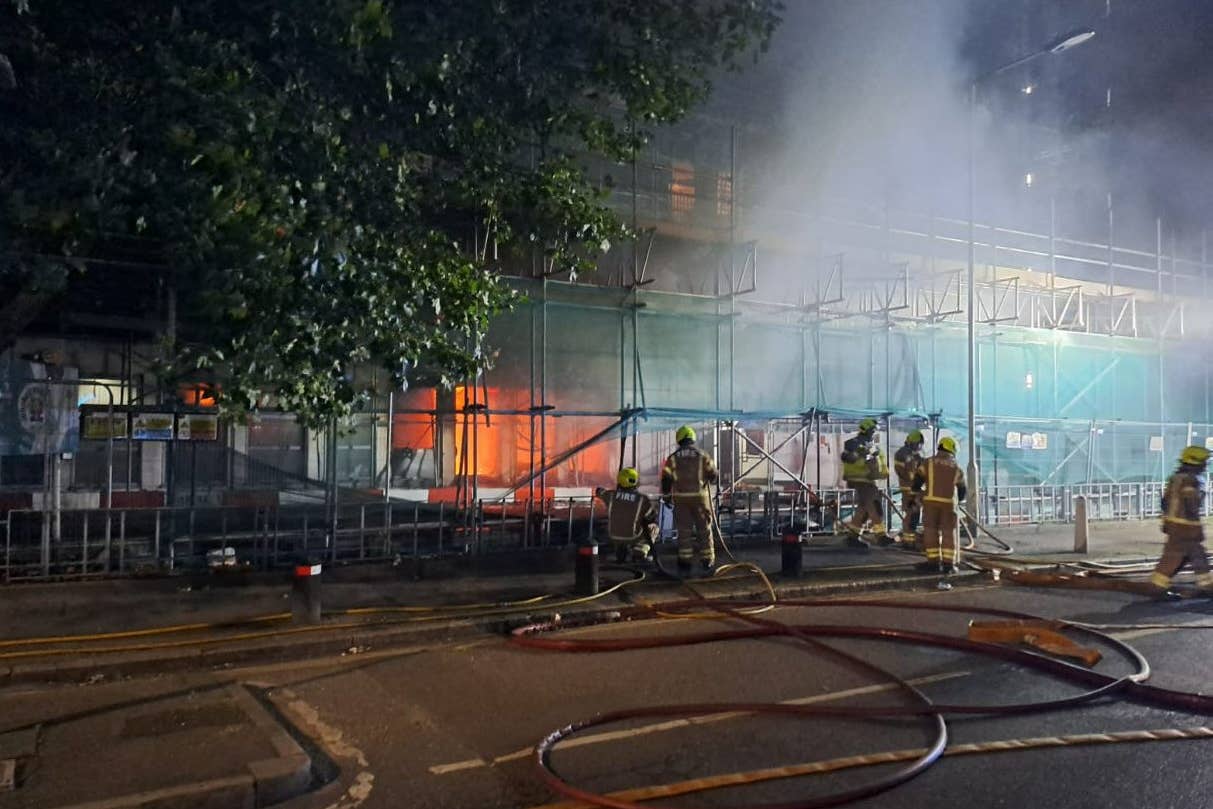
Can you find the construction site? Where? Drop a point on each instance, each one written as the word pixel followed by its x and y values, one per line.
pixel 771 331
pixel 866 467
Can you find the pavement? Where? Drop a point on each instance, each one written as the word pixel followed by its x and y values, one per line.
pixel 253 713
pixel 136 625
pixel 131 754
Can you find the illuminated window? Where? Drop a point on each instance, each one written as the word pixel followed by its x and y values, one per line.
pixel 197 394
pixel 724 195
pixel 682 189
pixel 99 391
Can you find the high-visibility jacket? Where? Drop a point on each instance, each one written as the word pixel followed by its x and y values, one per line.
pixel 1181 504
pixel 906 462
pixel 941 480
pixel 687 472
pixel 862 460
pixel 628 512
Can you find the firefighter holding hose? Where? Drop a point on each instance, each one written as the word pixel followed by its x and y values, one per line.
pixel 631 517
pixel 1181 506
pixel 685 478
pixel 941 481
pixel 863 465
pixel 906 462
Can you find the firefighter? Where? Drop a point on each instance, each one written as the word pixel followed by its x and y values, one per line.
pixel 863 464
pixel 631 517
pixel 685 478
pixel 1181 506
pixel 906 462
pixel 940 480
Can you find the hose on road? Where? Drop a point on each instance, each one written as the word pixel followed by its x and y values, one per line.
pixel 1098 685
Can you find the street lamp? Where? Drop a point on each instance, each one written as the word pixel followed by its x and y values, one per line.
pixel 1062 43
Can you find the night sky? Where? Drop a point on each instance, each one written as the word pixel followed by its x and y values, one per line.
pixel 867 98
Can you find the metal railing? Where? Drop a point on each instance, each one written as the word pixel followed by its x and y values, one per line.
pixel 85 543
pixel 1026 505
pixel 103 542
pixel 123 541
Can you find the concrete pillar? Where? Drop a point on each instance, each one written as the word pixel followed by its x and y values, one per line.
pixel 152 464
pixel 239 446
pixel 381 440
pixel 316 449
pixel 1080 524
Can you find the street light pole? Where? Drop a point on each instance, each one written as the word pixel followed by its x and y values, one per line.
pixel 1062 43
pixel 972 473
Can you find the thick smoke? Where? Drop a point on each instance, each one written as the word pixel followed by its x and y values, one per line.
pixel 863 105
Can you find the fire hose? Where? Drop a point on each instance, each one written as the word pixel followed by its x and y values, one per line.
pixel 1098 685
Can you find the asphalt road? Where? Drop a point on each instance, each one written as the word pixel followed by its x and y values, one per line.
pixel 452 726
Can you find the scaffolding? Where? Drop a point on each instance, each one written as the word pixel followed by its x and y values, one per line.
pixel 773 332
pixel 1089 367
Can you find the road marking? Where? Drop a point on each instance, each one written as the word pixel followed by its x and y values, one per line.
pixel 659 727
pixel 1155 630
pixel 471 763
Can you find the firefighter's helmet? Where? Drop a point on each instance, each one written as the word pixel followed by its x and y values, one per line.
pixel 948 444
pixel 685 433
pixel 1194 456
pixel 628 478
pixel 867 425
pixel 915 437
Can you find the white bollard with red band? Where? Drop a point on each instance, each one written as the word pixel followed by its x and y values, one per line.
pixel 305 599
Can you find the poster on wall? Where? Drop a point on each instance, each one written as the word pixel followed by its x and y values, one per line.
pixel 1156 443
pixel 37 416
pixel 1209 443
pixel 1040 441
pixel 1013 440
pixel 197 427
pixel 99 425
pixel 152 426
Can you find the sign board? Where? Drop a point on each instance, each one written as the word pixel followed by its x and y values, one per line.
pixel 152 426
pixel 198 427
pixel 1040 441
pixel 1156 444
pixel 98 425
pixel 1013 440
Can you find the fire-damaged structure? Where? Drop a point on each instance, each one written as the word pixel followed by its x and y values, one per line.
pixel 771 328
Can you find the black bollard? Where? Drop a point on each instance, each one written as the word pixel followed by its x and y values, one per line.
pixel 586 570
pixel 793 555
pixel 305 596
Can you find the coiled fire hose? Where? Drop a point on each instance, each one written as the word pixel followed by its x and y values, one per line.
pixel 1098 685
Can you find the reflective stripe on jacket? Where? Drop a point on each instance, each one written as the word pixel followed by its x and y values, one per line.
pixel 687 472
pixel 1182 500
pixel 906 462
pixel 862 461
pixel 627 511
pixel 940 478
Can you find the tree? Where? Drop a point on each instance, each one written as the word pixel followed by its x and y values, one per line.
pixel 312 171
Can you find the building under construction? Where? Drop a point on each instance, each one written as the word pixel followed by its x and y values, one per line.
pixel 771 331
pixel 770 327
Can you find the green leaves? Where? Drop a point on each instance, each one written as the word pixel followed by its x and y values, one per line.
pixel 325 177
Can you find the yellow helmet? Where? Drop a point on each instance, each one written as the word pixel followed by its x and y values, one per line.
pixel 867 425
pixel 948 444
pixel 1194 456
pixel 628 478
pixel 915 437
pixel 685 433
